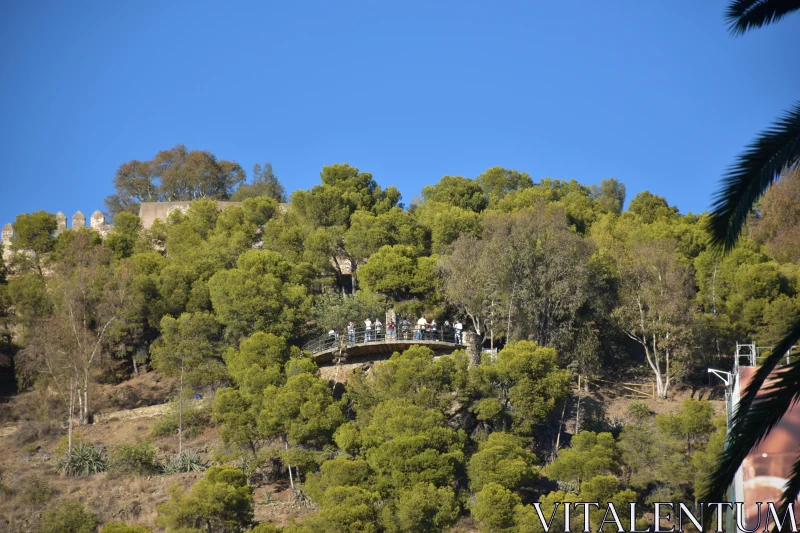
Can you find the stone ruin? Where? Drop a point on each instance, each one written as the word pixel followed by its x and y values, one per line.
pixel 97 222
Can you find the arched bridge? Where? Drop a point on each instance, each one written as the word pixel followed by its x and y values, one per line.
pixel 361 342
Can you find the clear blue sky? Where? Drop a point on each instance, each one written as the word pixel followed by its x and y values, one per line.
pixel 654 93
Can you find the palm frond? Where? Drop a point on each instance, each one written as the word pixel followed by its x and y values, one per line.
pixel 755 417
pixel 744 15
pixel 773 152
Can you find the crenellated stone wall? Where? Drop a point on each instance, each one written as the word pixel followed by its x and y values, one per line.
pixel 97 222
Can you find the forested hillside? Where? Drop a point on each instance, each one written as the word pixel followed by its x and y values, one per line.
pixel 217 304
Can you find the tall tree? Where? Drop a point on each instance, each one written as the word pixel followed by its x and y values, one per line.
pixel 265 183
pixel 189 349
pixel 654 306
pixel 777 222
pixel 33 237
pixel 86 296
pixel 174 174
pixel 774 152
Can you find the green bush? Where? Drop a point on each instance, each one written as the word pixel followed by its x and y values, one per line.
pixel 36 490
pixel 194 420
pixel 30 448
pixel 638 410
pixel 119 527
pixel 68 517
pixel 139 458
pixel 266 527
pixel 222 501
pixel 187 461
pixel 84 460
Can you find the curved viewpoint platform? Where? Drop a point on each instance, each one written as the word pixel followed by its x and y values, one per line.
pixel 363 343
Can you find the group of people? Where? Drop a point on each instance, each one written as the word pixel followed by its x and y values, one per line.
pixel 422 329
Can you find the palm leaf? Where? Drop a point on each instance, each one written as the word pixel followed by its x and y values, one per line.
pixel 773 152
pixel 743 15
pixel 755 417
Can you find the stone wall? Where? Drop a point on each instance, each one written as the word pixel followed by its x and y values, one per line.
pixel 97 222
pixel 150 211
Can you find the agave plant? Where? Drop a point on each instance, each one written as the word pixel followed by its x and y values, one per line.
pixel 773 153
pixel 185 461
pixel 83 460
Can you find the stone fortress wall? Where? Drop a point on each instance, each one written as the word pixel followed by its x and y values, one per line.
pixel 97 222
pixel 148 213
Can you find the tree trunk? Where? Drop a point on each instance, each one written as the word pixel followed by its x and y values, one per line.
pixel 86 397
pixel 291 479
pixel 71 410
pixel 180 412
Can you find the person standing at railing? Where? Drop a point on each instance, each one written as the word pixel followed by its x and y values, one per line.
pixel 351 332
pixel 447 331
pixel 367 330
pixel 434 329
pixel 405 325
pixel 331 338
pixel 459 327
pixel 378 327
pixel 421 325
pixel 390 330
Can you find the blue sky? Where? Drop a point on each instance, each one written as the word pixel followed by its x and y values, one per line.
pixel 656 93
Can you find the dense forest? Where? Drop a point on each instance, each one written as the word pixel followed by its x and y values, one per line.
pixel 554 278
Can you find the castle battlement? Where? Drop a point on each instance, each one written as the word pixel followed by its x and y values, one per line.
pixel 97 222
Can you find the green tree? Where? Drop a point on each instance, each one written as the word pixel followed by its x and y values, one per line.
pixel 174 174
pixel 497 182
pixel 777 221
pixel 263 293
pixel 189 350
pixel 264 183
pixel 34 234
pixel 414 375
pixel 222 502
pixel 302 412
pixel 610 195
pixel 333 311
pixel 693 424
pixel 347 510
pixel 125 238
pixel 446 223
pixel 590 454
pixel 404 444
pixel 68 516
pixel 397 271
pixel 654 307
pixel 502 459
pixel 495 508
pixel 520 388
pixel 458 192
pixel 649 207
pixel 423 508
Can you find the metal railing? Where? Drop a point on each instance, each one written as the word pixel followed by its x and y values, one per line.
pixel 363 335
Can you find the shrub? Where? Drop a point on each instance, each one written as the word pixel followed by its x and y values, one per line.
pixel 119 527
pixel 68 517
pixel 36 490
pixel 84 460
pixel 638 410
pixel 222 501
pixel 266 527
pixel 30 448
pixel 187 461
pixel 194 420
pixel 139 458
pixel 30 431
